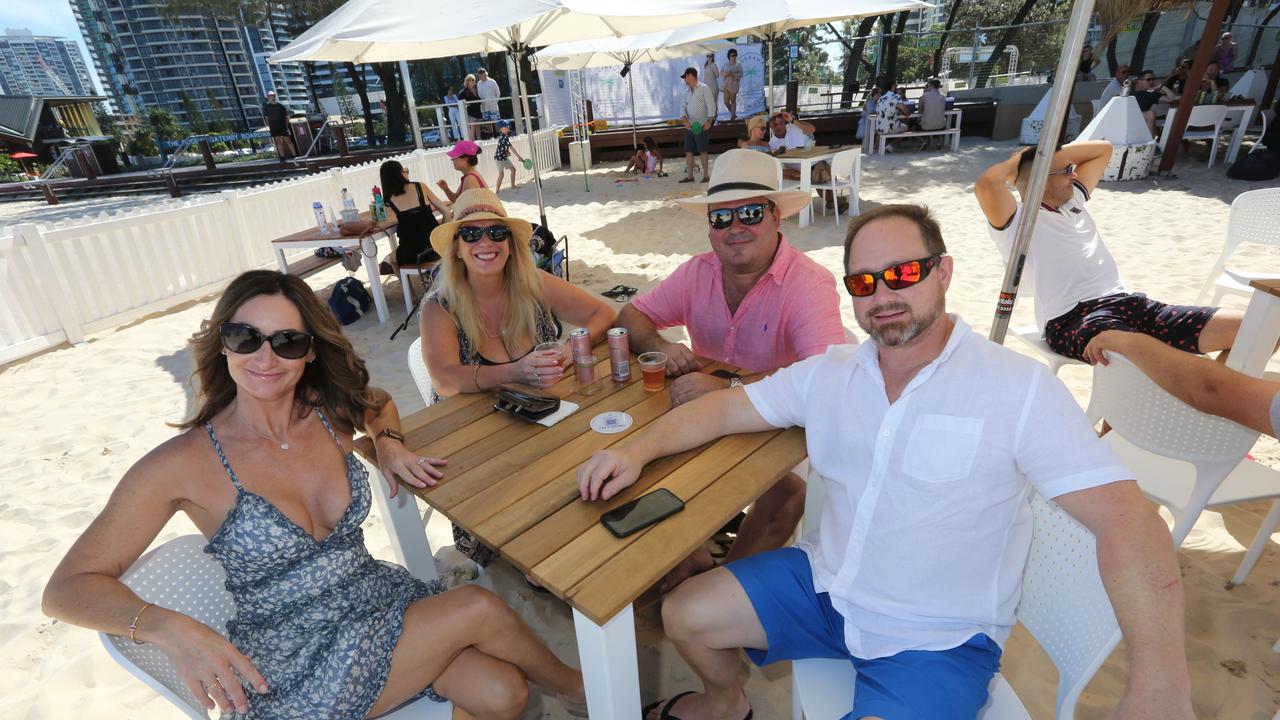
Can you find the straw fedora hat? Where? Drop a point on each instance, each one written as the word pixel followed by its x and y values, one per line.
pixel 741 174
pixel 478 204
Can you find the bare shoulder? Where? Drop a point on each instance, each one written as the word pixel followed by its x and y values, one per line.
pixel 173 468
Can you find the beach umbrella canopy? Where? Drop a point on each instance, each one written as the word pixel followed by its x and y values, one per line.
pixel 400 30
pixel 624 51
pixel 770 19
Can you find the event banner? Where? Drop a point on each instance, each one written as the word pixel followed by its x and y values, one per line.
pixel 659 91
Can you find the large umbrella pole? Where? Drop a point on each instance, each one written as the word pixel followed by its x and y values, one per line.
pixel 1055 115
pixel 412 103
pixel 632 87
pixel 517 53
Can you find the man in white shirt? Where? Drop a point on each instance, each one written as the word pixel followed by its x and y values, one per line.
pixel 489 92
pixel 931 440
pixel 1078 290
pixel 699 114
pixel 788 132
pixel 1115 87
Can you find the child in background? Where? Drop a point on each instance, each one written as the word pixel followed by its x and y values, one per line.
pixel 500 155
pixel 647 160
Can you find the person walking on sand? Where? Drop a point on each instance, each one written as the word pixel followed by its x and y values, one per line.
pixel 931 440
pixel 501 155
pixel 699 114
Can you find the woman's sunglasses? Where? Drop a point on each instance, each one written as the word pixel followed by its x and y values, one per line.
pixel 750 214
pixel 1064 171
pixel 471 235
pixel 243 339
pixel 895 277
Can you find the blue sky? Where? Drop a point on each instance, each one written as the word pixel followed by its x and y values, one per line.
pixel 50 17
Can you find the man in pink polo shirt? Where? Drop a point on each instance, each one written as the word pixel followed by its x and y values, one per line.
pixel 753 302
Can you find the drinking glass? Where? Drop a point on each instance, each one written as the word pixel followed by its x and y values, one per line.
pixel 653 365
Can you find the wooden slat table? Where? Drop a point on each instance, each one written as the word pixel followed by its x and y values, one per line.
pixel 514 485
pixel 1259 331
pixel 367 243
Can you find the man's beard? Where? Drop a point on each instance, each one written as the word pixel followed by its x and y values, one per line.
pixel 900 332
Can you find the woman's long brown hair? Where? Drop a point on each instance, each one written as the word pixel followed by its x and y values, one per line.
pixel 336 381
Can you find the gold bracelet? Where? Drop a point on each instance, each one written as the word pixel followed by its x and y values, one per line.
pixel 133 626
pixel 475 377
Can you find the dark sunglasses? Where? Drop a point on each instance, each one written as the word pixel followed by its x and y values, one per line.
pixel 895 277
pixel 243 339
pixel 471 234
pixel 750 214
pixel 1064 171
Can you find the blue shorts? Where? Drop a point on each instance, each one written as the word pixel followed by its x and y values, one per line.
pixel 800 623
pixel 490 115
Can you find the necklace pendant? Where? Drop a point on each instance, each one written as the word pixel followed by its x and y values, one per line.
pixel 284 446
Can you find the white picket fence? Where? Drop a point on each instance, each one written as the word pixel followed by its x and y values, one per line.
pixel 61 281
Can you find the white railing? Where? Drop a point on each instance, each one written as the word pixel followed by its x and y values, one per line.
pixel 61 281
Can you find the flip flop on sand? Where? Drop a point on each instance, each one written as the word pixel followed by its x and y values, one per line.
pixel 667 705
pixel 620 293
pixel 688 179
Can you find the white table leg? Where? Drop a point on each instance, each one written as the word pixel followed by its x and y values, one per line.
pixel 405 528
pixel 1237 137
pixel 280 261
pixel 375 280
pixel 1256 339
pixel 806 169
pixel 609 667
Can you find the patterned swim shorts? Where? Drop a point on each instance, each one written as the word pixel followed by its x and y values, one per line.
pixel 1178 326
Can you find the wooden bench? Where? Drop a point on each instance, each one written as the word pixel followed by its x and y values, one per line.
pixel 310 265
pixel 952 130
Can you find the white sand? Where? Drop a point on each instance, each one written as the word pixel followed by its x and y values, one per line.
pixel 75 418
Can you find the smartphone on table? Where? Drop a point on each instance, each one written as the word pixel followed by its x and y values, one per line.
pixel 642 512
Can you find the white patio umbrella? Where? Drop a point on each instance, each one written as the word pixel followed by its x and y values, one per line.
pixel 399 30
pixel 770 19
pixel 624 51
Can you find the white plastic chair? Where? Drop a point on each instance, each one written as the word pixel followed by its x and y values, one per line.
pixel 1253 219
pixel 1064 605
pixel 1183 459
pixel 1211 116
pixel 1031 336
pixel 846 173
pixel 407 273
pixel 418 369
pixel 1269 525
pixel 181 577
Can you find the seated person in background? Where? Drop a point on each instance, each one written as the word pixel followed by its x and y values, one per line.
pixel 647 159
pixel 1176 82
pixel 933 112
pixel 931 440
pixel 1197 381
pixel 757 132
pixel 753 302
pixel 1147 98
pixel 465 155
pixel 1079 292
pixel 788 132
pixel 1209 86
pixel 1114 87
pixel 1222 90
pixel 866 126
pixel 413 210
pixel 265 470
pixel 490 307
pixel 891 112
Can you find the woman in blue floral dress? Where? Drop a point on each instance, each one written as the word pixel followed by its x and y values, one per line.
pixel 265 470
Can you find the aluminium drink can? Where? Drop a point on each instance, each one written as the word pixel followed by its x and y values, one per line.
pixel 580 343
pixel 619 354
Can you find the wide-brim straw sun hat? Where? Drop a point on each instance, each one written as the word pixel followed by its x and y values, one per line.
pixel 470 206
pixel 742 174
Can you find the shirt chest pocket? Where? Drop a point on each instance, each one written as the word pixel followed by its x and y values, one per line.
pixel 942 448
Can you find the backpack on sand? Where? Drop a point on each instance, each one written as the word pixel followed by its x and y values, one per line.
pixel 349 300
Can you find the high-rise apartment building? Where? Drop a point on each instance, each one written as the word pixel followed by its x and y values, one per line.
pixel 201 69
pixel 41 65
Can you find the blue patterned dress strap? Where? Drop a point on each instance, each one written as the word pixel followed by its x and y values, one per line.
pixel 217 447
pixel 332 434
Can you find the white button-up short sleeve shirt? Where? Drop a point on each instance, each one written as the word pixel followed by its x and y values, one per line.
pixel 927 524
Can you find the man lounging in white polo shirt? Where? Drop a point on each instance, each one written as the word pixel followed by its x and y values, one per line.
pixel 931 439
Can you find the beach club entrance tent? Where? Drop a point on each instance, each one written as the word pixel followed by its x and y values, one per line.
pixel 624 51
pixel 402 30
pixel 769 20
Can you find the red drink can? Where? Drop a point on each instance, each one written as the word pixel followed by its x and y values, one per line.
pixel 580 343
pixel 619 354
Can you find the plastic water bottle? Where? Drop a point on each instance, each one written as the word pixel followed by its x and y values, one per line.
pixel 381 204
pixel 318 208
pixel 349 212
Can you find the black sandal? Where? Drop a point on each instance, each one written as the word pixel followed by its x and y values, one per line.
pixel 666 708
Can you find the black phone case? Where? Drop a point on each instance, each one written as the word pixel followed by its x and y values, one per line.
pixel 619 533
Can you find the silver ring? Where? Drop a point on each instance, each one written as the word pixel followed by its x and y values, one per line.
pixel 422 461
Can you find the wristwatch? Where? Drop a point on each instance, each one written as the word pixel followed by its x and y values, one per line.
pixel 394 435
pixel 735 382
